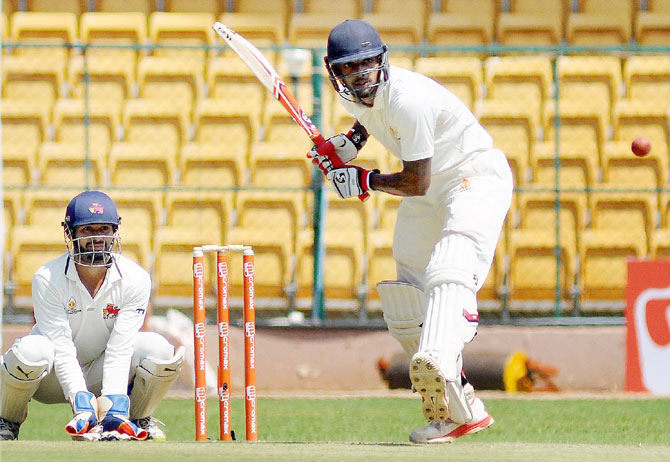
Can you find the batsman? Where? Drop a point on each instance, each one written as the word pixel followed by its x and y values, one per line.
pixel 456 188
pixel 86 347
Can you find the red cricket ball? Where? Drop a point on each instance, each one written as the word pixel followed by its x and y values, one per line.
pixel 641 146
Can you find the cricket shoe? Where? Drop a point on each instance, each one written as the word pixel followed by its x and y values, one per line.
pixel 428 381
pixel 448 430
pixel 9 430
pixel 150 425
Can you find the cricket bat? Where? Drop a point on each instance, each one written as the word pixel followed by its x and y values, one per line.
pixel 268 76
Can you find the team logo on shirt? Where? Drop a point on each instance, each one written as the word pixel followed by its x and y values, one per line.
pixel 72 306
pixel 394 132
pixel 110 311
pixel 465 184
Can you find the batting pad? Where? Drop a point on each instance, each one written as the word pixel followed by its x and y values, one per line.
pixel 404 306
pixel 153 379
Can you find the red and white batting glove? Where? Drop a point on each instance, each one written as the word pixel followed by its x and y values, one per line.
pixel 337 151
pixel 351 181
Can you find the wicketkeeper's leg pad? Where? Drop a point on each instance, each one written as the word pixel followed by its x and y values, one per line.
pixel 22 369
pixel 153 378
pixel 403 305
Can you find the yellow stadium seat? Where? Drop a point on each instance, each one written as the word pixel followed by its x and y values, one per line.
pixel 580 126
pixel 352 217
pixel 18 164
pixel 215 122
pixel 488 296
pixel 463 22
pixel 140 213
pixel 600 23
pixel 648 117
pixel 273 165
pixel 622 169
pixel 212 165
pixel 110 80
pixel 261 29
pixel 387 208
pixel 373 155
pixel 513 127
pixel 280 128
pixel 311 26
pixel 647 78
pixel 104 30
pixel 533 268
pixel 228 78
pixel 652 26
pixel 579 164
pixel 209 211
pixel 524 79
pixel 10 6
pixel 529 22
pixel 36 83
pixel 125 6
pixel 381 265
pixel 167 79
pixel 44 28
pixel 194 6
pixel 76 7
pixel 593 81
pixel 399 23
pixel 157 122
pixel 24 128
pixel 32 247
pixel 71 117
pixel 284 210
pixel 69 163
pixel 141 164
pixel 463 76
pixel 176 32
pixel 13 216
pixel 273 266
pixel 4 26
pixel 661 244
pixel 46 208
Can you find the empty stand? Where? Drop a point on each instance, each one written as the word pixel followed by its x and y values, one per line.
pixel 399 22
pixel 212 165
pixel 529 22
pixel 623 170
pixel 209 211
pixel 174 33
pixel 70 163
pixel 156 122
pixel 652 26
pixel 274 165
pixel 36 83
pixel 109 80
pixel 647 117
pixel 127 31
pixel 381 265
pixel 92 125
pixel 214 7
pixel 600 22
pixel 217 122
pixel 116 6
pixel 46 208
pixel 24 128
pixel 463 76
pixel 167 79
pixel 647 78
pixel 76 7
pixel 141 164
pixel 311 26
pixel 31 28
pixel 140 213
pixel 263 23
pixel 463 22
pixel 578 169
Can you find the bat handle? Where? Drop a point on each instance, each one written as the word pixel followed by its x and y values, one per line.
pixel 319 140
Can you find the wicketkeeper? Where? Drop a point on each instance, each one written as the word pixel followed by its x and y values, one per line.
pixel 457 189
pixel 86 347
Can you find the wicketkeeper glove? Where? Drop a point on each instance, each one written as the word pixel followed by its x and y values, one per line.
pixel 337 150
pixel 85 409
pixel 114 412
pixel 351 181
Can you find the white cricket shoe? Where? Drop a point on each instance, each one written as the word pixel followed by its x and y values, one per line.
pixel 428 381
pixel 149 424
pixel 447 431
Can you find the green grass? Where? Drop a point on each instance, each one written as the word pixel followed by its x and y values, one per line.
pixel 376 429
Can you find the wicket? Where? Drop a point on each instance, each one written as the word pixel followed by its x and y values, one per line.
pixel 223 319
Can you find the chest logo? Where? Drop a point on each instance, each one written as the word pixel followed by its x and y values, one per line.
pixel 394 132
pixel 110 311
pixel 72 306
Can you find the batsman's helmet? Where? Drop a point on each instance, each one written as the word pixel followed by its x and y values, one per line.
pixel 351 41
pixel 91 208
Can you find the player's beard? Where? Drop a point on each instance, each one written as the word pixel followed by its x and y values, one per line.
pixel 94 254
pixel 364 88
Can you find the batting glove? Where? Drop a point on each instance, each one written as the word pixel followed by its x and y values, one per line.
pixel 114 412
pixel 85 409
pixel 351 181
pixel 337 150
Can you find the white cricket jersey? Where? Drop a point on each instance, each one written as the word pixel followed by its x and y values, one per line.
pixel 83 328
pixel 415 117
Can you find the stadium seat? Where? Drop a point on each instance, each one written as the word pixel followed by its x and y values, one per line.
pixel 350 216
pixel 71 117
pixel 44 28
pixel 75 7
pixel 311 25
pixel 109 79
pixel 463 22
pixel 387 208
pixel 513 127
pixel 18 164
pixel 524 79
pixel 621 169
pixel 128 30
pixel 157 122
pixel 140 213
pixel 115 6
pixel 9 6
pixel 141 164
pixel 399 23
pixel 32 247
pixel 579 164
pixel 280 128
pixel 381 265
pixel 488 296
pixel 4 27
pixel 69 163
pixel 463 76
pixel 533 268
pixel 36 83
pixel 216 121
pixel 46 208
pixel 593 81
pixel 600 23
pixel 648 117
pixel 374 155
pixel 652 26
pixel 24 128
pixel 532 23
pixel 209 211
pixel 647 78
pixel 212 165
pixel 179 35
pixel 579 126
pixel 274 165
pixel 13 216
pixel 213 7
pixel 167 79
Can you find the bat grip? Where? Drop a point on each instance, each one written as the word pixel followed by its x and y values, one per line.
pixel 329 152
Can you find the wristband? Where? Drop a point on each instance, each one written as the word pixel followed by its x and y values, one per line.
pixel 358 137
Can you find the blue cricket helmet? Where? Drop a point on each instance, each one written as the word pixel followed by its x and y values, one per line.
pixel 91 207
